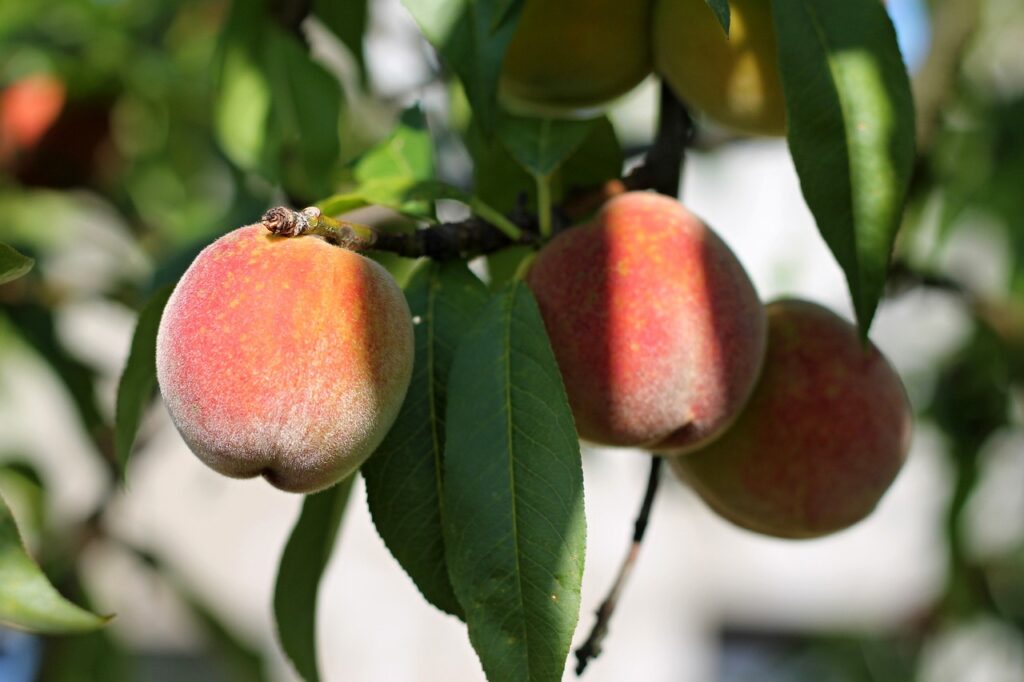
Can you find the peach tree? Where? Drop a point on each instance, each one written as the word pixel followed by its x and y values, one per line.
pixel 608 310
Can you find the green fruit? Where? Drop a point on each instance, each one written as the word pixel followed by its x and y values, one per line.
pixel 735 80
pixel 576 54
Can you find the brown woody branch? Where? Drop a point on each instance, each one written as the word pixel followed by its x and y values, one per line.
pixel 476 236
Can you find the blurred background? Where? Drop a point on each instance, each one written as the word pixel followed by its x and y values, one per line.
pixel 130 138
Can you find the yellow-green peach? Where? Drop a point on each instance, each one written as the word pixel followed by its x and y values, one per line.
pixel 822 439
pixel 286 358
pixel 576 54
pixel 658 331
pixel 734 81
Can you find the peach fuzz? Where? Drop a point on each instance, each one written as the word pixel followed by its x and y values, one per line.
pixel 287 358
pixel 822 438
pixel 658 331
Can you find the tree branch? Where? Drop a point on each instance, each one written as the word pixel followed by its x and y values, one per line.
pixel 591 648
pixel 661 171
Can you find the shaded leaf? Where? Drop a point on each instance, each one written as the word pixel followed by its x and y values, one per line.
pixel 513 493
pixel 540 145
pixel 346 19
pixel 298 576
pixel 277 110
pixel 407 152
pixel 12 264
pixel 22 485
pixel 138 380
pixel 472 36
pixel 721 11
pixel 306 110
pixel 500 180
pixel 27 599
pixel 404 476
pixel 388 171
pixel 851 131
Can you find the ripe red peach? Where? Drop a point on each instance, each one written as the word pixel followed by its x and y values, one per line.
pixel 822 438
pixel 658 331
pixel 283 357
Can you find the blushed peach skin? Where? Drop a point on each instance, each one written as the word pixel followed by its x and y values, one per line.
pixel 822 439
pixel 284 357
pixel 658 331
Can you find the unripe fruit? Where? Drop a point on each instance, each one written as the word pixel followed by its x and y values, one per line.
pixel 575 54
pixel 822 438
pixel 284 357
pixel 734 80
pixel 658 331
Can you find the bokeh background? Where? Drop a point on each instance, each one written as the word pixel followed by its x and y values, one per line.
pixel 116 166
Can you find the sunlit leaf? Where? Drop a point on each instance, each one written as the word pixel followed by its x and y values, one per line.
pixel 513 493
pixel 851 131
pixel 27 599
pixel 404 476
pixel 12 264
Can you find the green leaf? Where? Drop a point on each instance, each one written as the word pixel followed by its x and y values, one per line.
pixel 513 493
pixel 388 171
pixel 499 179
pixel 502 266
pixel 346 19
pixel 27 599
pixel 12 264
pixel 22 486
pixel 138 380
pixel 472 36
pixel 851 131
pixel 507 10
pixel 298 577
pixel 277 111
pixel 243 101
pixel 598 158
pixel 721 11
pixel 404 476
pixel 306 111
pixel 407 152
pixel 435 189
pixel 540 145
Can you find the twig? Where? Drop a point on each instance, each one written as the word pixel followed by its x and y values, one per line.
pixel 661 169
pixel 448 241
pixel 482 234
pixel 591 648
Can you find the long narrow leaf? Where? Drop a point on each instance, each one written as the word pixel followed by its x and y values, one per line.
pixel 404 476
pixel 850 117
pixel 514 524
pixel 298 577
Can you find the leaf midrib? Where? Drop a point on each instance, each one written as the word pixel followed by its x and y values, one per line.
pixel 432 394
pixel 848 145
pixel 507 357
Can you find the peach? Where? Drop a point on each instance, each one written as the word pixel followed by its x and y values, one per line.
pixel 576 54
pixel 822 439
pixel 284 357
pixel 735 80
pixel 657 330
